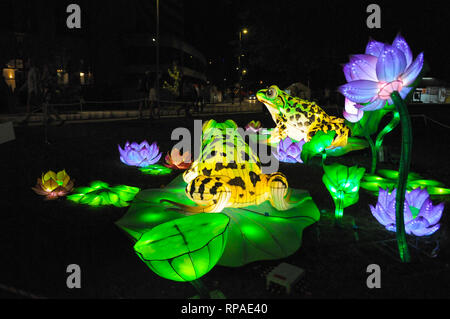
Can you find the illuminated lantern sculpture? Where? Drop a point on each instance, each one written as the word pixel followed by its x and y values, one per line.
pixel 155 169
pixel 388 179
pixel 266 223
pixel 228 174
pixel 351 112
pixel 54 185
pixel 141 155
pixel 253 126
pixel 289 151
pixel 382 77
pixel 100 194
pixel 184 249
pixel 317 145
pixel 343 184
pixel 175 160
pixel 372 77
pixel 421 216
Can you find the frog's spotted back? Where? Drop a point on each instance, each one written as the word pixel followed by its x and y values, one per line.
pixel 228 173
pixel 300 119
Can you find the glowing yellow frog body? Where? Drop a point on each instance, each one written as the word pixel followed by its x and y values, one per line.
pixel 300 119
pixel 228 174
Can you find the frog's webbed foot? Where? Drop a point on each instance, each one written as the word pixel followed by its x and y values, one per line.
pixel 218 204
pixel 278 190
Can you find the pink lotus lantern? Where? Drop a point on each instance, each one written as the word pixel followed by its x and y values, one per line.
pixel 175 160
pixel 254 126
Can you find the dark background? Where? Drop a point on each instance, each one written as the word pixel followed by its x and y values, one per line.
pixel 293 40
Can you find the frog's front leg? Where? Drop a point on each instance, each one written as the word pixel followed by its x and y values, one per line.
pixel 211 194
pixel 278 187
pixel 278 133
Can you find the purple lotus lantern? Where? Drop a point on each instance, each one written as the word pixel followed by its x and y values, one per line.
pixel 373 76
pixel 289 151
pixel 421 216
pixel 141 155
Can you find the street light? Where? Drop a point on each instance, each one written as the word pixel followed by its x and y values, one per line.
pixel 157 55
pixel 241 32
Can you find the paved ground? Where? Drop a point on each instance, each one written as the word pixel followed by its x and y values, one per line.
pixel 39 239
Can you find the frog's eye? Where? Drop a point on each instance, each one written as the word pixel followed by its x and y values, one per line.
pixel 271 93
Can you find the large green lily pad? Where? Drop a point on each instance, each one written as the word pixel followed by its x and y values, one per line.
pixel 186 248
pixel 254 233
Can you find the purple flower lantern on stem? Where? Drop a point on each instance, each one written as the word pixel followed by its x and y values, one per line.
pixel 289 151
pixel 421 216
pixel 372 77
pixel 384 75
pixel 141 155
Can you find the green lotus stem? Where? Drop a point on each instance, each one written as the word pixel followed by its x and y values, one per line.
pixel 339 211
pixel 324 157
pixel 374 153
pixel 201 289
pixel 405 161
pixel 379 140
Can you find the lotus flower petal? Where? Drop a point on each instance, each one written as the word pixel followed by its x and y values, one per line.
pixel 391 63
pixel 56 185
pixel 432 213
pixel 135 146
pixel 155 159
pixel 49 175
pixel 412 71
pixel 374 105
pixel 405 91
pixel 424 224
pixel 361 67
pixel 50 185
pixel 144 144
pixel 360 91
pixel 293 150
pixel 123 152
pixel 288 151
pixel 380 215
pixel 351 113
pixel 175 155
pixel 133 157
pixel 401 44
pixel 187 158
pixel 418 225
pixel 139 154
pixel 374 48
pixel 416 197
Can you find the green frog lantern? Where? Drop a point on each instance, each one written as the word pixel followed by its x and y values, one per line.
pixel 300 119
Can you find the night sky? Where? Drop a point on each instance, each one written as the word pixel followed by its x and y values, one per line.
pixel 309 41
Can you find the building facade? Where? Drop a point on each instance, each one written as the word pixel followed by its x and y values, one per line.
pixel 115 46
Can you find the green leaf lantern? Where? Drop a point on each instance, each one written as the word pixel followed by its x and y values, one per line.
pixel 155 169
pixel 100 194
pixel 186 248
pixel 317 145
pixel 388 179
pixel 343 184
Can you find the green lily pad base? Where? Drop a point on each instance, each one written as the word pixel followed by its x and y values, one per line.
pixel 353 144
pixel 254 233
